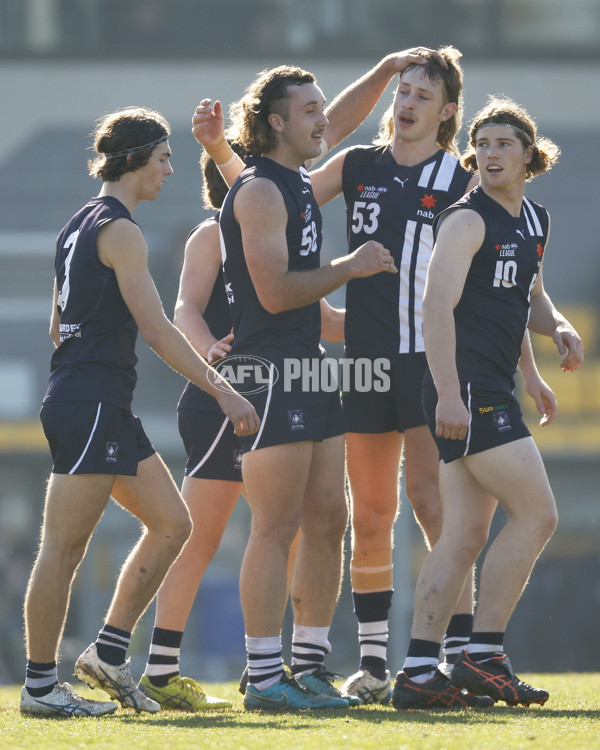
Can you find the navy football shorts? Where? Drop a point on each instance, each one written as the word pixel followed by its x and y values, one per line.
pixel 494 419
pixel 213 449
pixel 291 412
pixel 396 407
pixel 87 437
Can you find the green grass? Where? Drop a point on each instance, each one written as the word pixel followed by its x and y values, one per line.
pixel 570 720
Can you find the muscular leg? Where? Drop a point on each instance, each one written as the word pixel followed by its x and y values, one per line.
pixel 373 462
pixel 421 469
pixel 73 507
pixel 515 474
pixel 210 503
pixel 152 497
pixel 373 465
pixel 467 513
pixel 317 576
pixel 275 479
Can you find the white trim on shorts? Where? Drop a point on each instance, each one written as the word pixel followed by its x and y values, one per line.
pixel 87 445
pixel 468 438
pixel 266 411
pixel 211 450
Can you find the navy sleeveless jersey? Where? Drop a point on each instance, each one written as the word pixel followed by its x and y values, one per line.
pixel 258 331
pixel 218 320
pixel 492 313
pixel 394 205
pixel 96 358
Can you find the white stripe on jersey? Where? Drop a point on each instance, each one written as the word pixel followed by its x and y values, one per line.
pixel 444 176
pixel 210 451
pixel 304 176
pixel 446 172
pixel 223 248
pixel 426 174
pixel 423 251
pixel 404 287
pixel 87 445
pixel 530 213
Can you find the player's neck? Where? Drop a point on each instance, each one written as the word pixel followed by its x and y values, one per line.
pixel 410 153
pixel 122 191
pixel 287 157
pixel 509 197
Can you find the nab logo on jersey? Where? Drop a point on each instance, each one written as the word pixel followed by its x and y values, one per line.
pixel 370 191
pixel 428 202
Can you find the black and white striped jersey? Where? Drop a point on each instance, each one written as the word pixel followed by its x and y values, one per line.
pixel 394 205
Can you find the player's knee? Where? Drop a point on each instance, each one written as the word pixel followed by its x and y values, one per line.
pixel 178 528
pixel 548 522
pixel 74 554
pixel 331 524
pixel 373 522
pixel 472 540
pixel 424 497
pixel 429 518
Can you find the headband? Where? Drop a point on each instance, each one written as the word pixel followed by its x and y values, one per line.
pixel 132 150
pixel 504 125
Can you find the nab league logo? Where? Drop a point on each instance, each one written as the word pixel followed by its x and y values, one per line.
pixel 247 374
pixel 370 191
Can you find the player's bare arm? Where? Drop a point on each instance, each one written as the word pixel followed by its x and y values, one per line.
pixel 536 387
pixel 545 319
pixel 354 104
pixel 121 246
pixel 459 238
pixel 208 128
pixel 202 260
pixel 260 210
pixel 332 322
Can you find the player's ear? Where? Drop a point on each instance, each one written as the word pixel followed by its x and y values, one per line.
pixel 448 110
pixel 276 122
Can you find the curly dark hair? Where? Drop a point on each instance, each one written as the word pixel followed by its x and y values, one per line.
pixel 127 128
pixel 265 95
pixel 502 110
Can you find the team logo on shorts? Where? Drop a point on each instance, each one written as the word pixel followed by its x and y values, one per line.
pixel 296 419
pixel 502 421
pixel 237 459
pixel 112 452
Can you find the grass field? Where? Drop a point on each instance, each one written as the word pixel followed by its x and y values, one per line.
pixel 570 720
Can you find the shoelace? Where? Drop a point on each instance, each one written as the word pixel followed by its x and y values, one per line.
pixel 292 681
pixel 192 686
pixel 326 676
